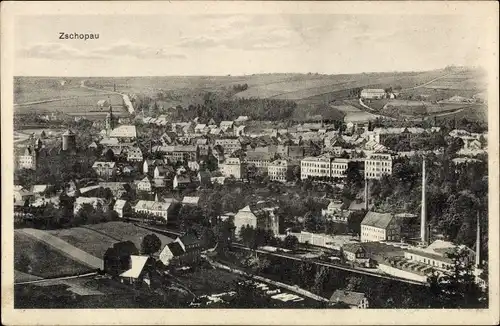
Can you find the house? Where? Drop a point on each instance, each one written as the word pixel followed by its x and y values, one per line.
pixel 94 201
pixel 204 177
pixel 355 252
pixel 122 207
pixel 260 215
pixel 188 200
pixel 161 172
pixel 185 250
pixel 134 154
pixel 201 128
pixel 179 152
pixel 229 144
pixel 216 131
pixel 226 126
pixel 323 166
pixel 281 170
pixel 156 208
pixel 370 93
pixel 117 188
pixel 144 185
pixel 380 227
pixel 149 165
pixel 233 167
pixel 138 271
pixel 104 169
pixel 28 160
pixel 22 195
pixel 39 189
pixel 334 207
pixel 354 300
pixel 193 165
pixel 203 146
pixel 182 181
pixel 260 160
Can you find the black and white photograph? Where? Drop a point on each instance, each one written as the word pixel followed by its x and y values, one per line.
pixel 297 159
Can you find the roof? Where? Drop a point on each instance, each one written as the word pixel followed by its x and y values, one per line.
pixel 373 90
pixel 175 248
pixel 39 188
pixel 152 205
pixel 103 164
pixel 119 204
pixel 127 131
pixel 137 265
pixel 188 239
pixel 190 200
pixel 350 297
pixel 378 220
pixel 353 247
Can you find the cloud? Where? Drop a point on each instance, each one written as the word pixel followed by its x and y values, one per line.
pixel 60 51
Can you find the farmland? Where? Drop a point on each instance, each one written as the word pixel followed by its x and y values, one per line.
pixel 36 258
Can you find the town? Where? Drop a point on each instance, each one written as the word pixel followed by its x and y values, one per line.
pixel 241 204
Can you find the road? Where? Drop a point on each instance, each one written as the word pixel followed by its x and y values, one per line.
pixel 126 99
pixel 427 83
pixel 62 278
pixel 64 247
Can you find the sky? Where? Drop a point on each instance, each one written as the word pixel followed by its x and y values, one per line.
pixel 149 45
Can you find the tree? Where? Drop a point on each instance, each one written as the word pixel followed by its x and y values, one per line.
pixel 150 244
pixel 291 242
pixel 456 288
pixel 319 280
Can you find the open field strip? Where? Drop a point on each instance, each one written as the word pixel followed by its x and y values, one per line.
pixel 64 247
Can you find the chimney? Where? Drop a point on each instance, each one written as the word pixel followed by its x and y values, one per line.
pixel 478 243
pixel 366 194
pixel 423 218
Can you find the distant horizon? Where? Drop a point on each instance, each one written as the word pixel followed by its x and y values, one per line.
pixel 261 73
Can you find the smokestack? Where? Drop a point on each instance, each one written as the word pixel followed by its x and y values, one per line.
pixel 478 243
pixel 423 217
pixel 366 194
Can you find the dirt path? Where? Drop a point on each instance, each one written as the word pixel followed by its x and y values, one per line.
pixel 64 247
pixel 427 83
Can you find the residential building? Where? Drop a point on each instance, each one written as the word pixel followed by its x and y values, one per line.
pixel 139 270
pixel 179 152
pixel 201 128
pixel 144 185
pixel 260 160
pixel 355 252
pixel 185 250
pixel 193 165
pixel 377 165
pixel 323 166
pixel 22 195
pixel 370 93
pixel 122 208
pixel 226 125
pixel 355 300
pixel 203 146
pixel 189 200
pixel 94 201
pixel 280 170
pixel 233 167
pixel 257 217
pixel 28 160
pixel 134 154
pixel 229 144
pixel 377 227
pixel 182 181
pixel 104 169
pixel 156 208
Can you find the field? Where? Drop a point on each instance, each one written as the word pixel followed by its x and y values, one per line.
pixel 36 258
pixel 121 231
pixel 460 81
pixel 87 240
pixel 203 281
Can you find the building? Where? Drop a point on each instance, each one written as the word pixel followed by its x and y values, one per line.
pixel 189 200
pixel 228 144
pixel 138 271
pixel 280 170
pixel 29 159
pixel 182 181
pixel 68 140
pixel 355 252
pixel 144 185
pixel 104 169
pixel 134 154
pixel 380 227
pixel 257 216
pixel 226 126
pixel 323 166
pixel 370 93
pixel 22 195
pixel 201 128
pixel 233 167
pixel 156 208
pixel 122 207
pixel 377 165
pixel 179 153
pixel 94 201
pixel 124 133
pixel 355 300
pixel 185 250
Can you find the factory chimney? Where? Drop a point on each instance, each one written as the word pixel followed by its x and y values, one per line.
pixel 423 217
pixel 478 243
pixel 366 194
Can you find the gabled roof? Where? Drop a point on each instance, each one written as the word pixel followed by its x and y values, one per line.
pixel 137 265
pixel 119 204
pixel 175 248
pixel 378 220
pixel 190 200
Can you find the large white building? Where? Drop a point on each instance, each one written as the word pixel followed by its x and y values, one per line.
pixel 370 93
pixel 230 145
pixel 377 227
pixel 233 167
pixel 377 165
pixel 124 131
pixel 279 170
pixel 161 209
pixel 323 166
